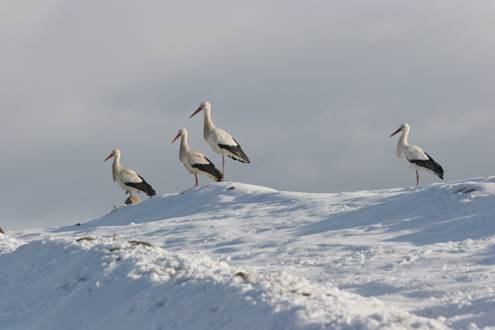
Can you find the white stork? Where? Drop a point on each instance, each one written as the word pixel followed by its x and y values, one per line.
pixel 219 140
pixel 128 179
pixel 194 161
pixel 415 156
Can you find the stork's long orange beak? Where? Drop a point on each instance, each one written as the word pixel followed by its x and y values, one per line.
pixel 109 156
pixel 175 138
pixel 397 131
pixel 195 112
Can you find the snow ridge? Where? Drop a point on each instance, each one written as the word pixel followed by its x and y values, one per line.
pixel 236 256
pixel 122 284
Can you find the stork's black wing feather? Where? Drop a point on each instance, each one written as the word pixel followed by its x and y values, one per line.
pixel 429 164
pixel 143 186
pixel 210 169
pixel 237 151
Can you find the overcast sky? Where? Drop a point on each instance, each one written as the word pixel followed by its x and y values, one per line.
pixel 311 90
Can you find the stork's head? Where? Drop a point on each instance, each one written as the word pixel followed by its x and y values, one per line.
pixel 403 127
pixel 182 132
pixel 115 153
pixel 203 106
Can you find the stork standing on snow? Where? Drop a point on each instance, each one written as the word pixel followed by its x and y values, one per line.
pixel 415 156
pixel 219 140
pixel 127 178
pixel 194 161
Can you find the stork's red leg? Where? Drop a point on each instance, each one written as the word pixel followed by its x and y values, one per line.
pixel 223 166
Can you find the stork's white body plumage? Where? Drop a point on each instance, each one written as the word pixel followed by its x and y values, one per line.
pixel 219 140
pixel 126 175
pixel 414 156
pixel 194 161
pixel 128 179
pixel 216 136
pixel 406 151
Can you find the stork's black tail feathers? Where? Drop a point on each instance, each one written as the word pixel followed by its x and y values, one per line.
pixel 210 169
pixel 240 156
pixel 431 165
pixel 149 189
pixel 143 186
pixel 237 152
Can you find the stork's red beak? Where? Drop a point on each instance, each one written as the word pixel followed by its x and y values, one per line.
pixel 195 112
pixel 397 131
pixel 175 138
pixel 109 156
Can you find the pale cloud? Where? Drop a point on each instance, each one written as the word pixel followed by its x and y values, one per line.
pixel 311 90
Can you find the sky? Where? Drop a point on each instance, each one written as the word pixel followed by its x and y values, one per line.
pixel 310 89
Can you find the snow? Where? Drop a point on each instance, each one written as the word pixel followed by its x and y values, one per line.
pixel 238 256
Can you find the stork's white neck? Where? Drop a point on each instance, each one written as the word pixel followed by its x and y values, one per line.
pixel 208 124
pixel 403 142
pixel 184 146
pixel 405 134
pixel 116 167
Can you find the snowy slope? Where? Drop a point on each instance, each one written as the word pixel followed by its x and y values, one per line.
pixel 236 256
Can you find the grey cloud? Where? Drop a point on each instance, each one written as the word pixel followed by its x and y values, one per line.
pixel 311 90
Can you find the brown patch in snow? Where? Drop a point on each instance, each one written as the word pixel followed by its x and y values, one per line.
pixel 132 200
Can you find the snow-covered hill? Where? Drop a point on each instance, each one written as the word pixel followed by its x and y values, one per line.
pixel 237 256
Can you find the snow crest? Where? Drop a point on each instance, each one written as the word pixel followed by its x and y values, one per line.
pixel 105 284
pixel 237 256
